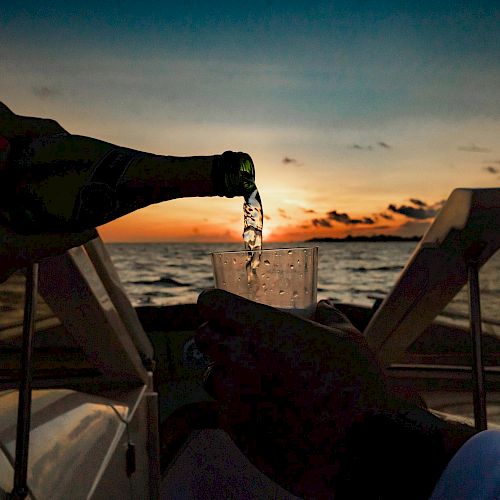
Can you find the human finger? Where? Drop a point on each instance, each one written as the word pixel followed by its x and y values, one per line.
pixel 327 314
pixel 224 348
pixel 282 339
pixel 268 327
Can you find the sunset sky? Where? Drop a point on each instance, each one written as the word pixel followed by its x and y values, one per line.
pixel 361 116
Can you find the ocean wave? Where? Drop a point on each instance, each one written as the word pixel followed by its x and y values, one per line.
pixel 363 269
pixel 163 281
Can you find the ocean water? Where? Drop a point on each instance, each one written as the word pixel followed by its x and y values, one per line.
pixel 353 272
pixel 176 273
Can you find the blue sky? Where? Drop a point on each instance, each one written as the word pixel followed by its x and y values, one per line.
pixel 324 84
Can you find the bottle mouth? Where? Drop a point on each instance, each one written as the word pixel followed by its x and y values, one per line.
pixel 233 174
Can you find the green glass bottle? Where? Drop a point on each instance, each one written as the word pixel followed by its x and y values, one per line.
pixel 70 183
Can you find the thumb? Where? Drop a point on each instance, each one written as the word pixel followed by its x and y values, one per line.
pixel 238 314
pixel 327 314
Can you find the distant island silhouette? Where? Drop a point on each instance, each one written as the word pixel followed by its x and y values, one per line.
pixel 377 237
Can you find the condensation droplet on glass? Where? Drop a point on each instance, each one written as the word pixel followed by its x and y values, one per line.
pixel 295 294
pixel 225 261
pixel 282 292
pixel 267 263
pixel 291 266
pixel 298 261
pixel 290 252
pixel 234 261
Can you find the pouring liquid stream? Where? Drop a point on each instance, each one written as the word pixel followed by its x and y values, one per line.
pixel 252 231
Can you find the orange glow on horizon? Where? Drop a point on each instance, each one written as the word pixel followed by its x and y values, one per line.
pixel 138 227
pixel 143 227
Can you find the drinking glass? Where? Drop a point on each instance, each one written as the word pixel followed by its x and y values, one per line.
pixel 285 278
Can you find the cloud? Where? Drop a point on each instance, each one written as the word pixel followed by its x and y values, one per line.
pixel 266 217
pixel 321 223
pixel 491 170
pixel 369 147
pixel 283 214
pixel 44 92
pixel 386 216
pixel 287 161
pixel 345 219
pixel 474 149
pixel 309 210
pixel 417 202
pixel 420 211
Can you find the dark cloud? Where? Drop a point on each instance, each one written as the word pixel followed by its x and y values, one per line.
pixel 421 210
pixel 44 92
pixel 305 226
pixel 321 223
pixel 287 160
pixel 369 147
pixel 334 215
pixel 266 217
pixel 364 148
pixel 491 170
pixel 417 202
pixel 364 220
pixel 283 214
pixel 386 216
pixel 474 149
pixel 412 212
pixel 309 210
pixel 345 219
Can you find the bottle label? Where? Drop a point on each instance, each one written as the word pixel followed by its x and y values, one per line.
pixel 98 199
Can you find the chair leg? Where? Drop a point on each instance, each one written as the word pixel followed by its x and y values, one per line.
pixel 20 489
pixel 479 391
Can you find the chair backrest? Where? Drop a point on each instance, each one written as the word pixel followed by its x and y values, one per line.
pixel 466 230
pixel 84 291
